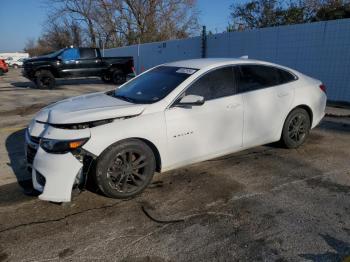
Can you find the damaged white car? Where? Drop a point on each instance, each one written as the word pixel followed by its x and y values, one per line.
pixel 168 117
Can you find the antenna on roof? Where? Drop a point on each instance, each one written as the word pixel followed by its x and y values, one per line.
pixel 244 57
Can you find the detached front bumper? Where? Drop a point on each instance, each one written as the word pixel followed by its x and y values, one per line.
pixel 53 174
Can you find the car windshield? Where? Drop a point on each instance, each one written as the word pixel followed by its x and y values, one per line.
pixel 53 54
pixel 153 85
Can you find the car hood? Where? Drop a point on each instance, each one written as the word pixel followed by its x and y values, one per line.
pixel 86 108
pixel 38 59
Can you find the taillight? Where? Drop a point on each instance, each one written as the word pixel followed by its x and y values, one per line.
pixel 133 70
pixel 323 88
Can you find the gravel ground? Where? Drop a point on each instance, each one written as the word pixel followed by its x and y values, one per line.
pixel 263 204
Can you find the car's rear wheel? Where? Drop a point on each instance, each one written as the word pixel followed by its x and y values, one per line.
pixel 44 79
pixel 15 66
pixel 125 169
pixel 296 128
pixel 118 77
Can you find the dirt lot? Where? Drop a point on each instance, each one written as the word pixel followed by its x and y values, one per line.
pixel 265 204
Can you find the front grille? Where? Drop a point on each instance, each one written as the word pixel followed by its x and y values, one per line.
pixel 40 179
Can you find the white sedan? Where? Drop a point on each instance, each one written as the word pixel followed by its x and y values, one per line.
pixel 170 116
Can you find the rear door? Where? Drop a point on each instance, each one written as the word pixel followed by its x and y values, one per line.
pixel 214 128
pixel 90 62
pixel 267 97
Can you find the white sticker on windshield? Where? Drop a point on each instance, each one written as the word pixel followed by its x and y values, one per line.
pixel 185 71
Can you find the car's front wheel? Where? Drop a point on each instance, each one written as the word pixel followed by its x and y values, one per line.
pixel 296 128
pixel 125 169
pixel 44 79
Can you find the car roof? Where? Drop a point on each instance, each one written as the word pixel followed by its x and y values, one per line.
pixel 211 62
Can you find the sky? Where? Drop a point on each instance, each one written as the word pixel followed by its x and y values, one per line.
pixel 24 19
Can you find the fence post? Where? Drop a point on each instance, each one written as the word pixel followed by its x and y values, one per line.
pixel 204 41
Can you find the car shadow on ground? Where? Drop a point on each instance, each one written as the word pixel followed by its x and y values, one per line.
pixel 60 82
pixel 15 149
pixel 340 250
pixel 12 194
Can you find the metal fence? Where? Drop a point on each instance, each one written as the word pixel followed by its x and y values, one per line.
pixel 321 50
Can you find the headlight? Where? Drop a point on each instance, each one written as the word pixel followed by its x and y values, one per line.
pixel 61 146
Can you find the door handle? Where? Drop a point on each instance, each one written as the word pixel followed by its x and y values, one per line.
pixel 232 106
pixel 282 94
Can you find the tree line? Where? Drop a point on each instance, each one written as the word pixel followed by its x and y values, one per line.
pixel 115 23
pixel 267 13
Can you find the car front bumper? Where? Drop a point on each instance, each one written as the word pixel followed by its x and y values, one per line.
pixel 53 175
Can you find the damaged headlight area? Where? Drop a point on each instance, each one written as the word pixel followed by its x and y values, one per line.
pixel 61 146
pixel 84 125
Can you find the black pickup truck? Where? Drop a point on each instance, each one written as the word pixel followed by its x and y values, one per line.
pixel 76 62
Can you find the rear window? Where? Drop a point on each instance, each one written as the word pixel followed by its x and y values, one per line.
pixel 86 53
pixel 253 77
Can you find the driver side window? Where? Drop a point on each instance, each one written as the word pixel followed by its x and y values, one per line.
pixel 215 84
pixel 70 54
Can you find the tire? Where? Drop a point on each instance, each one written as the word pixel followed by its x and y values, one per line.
pixel 125 169
pixel 44 79
pixel 1 72
pixel 107 78
pixel 296 128
pixel 118 77
pixel 15 66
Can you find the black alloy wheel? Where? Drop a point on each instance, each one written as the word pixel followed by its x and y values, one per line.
pixel 296 128
pixel 44 80
pixel 106 78
pixel 118 77
pixel 125 169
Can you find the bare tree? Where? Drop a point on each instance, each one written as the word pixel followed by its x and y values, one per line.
pixel 113 23
pixel 263 13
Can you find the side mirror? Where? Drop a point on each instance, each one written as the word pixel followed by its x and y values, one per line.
pixel 191 100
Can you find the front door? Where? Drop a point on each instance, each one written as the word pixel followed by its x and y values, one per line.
pixel 70 62
pixel 214 128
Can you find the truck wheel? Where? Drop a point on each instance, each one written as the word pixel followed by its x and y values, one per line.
pixel 118 77
pixel 125 169
pixel 106 78
pixel 44 79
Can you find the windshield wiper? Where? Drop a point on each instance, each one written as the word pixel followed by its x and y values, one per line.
pixel 125 98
